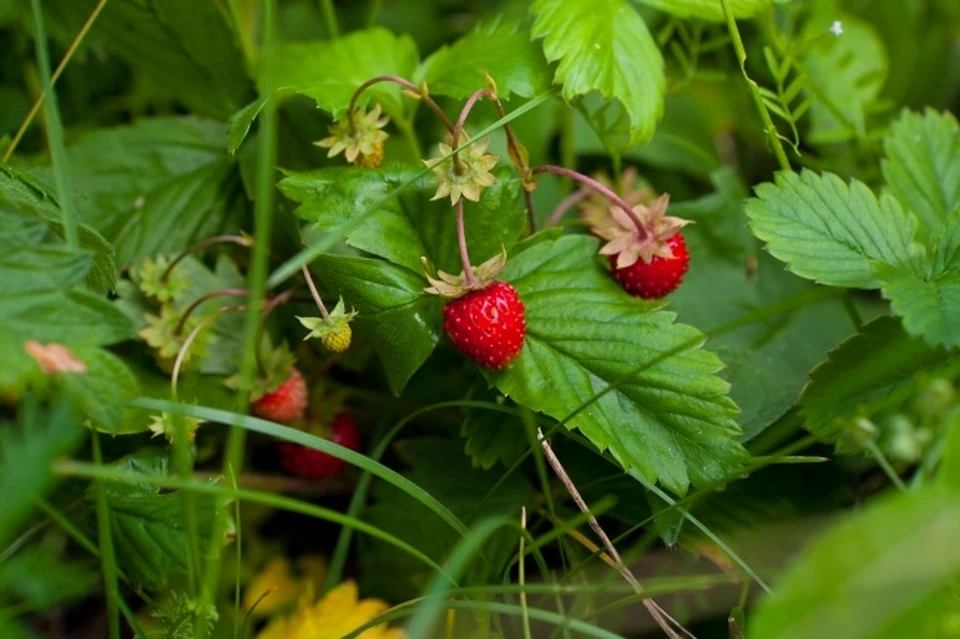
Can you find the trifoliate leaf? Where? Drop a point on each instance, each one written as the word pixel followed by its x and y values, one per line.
pixel 828 231
pixel 604 46
pixel 501 49
pixel 672 421
pixel 708 9
pixel 922 165
pixel 862 371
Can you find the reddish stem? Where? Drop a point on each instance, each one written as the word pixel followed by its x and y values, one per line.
pixel 471 101
pixel 202 244
pixel 462 240
pixel 271 304
pixel 406 84
pixel 314 293
pixel 226 292
pixel 565 205
pixel 521 167
pixel 596 186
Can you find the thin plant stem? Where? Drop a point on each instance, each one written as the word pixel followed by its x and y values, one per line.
pixel 519 159
pixel 458 127
pixel 187 343
pixel 242 240
pixel 597 186
pixel 108 561
pixel 886 466
pixel 628 576
pixel 769 127
pixel 53 79
pixel 565 205
pixel 522 573
pixel 226 292
pixel 850 306
pixel 406 84
pixel 374 14
pixel 330 19
pixel 263 224
pixel 58 152
pixel 314 293
pixel 462 241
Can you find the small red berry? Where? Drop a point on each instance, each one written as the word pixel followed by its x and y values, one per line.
pixel 658 278
pixel 308 463
pixel 285 404
pixel 487 325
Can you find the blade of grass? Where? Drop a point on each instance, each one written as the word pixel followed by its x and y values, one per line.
pixel 53 80
pixel 92 471
pixel 238 554
pixel 330 19
pixel 108 560
pixel 286 433
pixel 256 277
pixel 61 173
pixel 184 465
pixel 525 613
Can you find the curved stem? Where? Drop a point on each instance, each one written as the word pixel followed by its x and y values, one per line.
pixel 458 127
pixel 406 84
pixel 596 186
pixel 314 293
pixel 271 304
pixel 518 159
pixel 226 292
pixel 182 353
pixel 565 205
pixel 462 240
pixel 202 244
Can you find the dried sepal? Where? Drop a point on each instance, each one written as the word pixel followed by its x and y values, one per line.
pixel 447 285
pixel 630 243
pixel 470 178
pixel 361 139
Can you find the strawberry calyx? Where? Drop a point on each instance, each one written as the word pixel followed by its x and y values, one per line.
pixel 333 331
pixel 454 286
pixel 650 240
pixel 278 365
pixel 359 138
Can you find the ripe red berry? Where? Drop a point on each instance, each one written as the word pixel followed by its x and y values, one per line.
pixel 285 404
pixel 487 325
pixel 658 278
pixel 308 463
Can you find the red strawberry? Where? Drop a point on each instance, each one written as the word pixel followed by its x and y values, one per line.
pixel 285 404
pixel 487 324
pixel 308 463
pixel 658 278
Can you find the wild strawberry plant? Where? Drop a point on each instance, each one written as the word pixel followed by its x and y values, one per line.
pixel 560 318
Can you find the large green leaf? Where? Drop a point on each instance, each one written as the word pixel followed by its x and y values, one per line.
pixel 828 231
pixel 502 50
pixel 926 292
pixel 882 574
pixel 709 9
pixel 406 323
pixel 922 165
pixel 157 185
pixel 148 526
pixel 329 71
pixel 604 46
pixel 768 359
pixel 411 226
pixel 21 192
pixel 866 368
pixel 672 421
pixel 184 50
pixel 849 70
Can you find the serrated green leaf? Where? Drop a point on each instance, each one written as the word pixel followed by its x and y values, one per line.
pixel 922 165
pixel 148 526
pixel 103 391
pixel 492 437
pixel 929 305
pixel 850 70
pixel 329 71
pixel 672 422
pixel 766 361
pixel 502 49
pixel 406 323
pixel 412 226
pixel 21 195
pixel 828 231
pixel 868 367
pixel 882 574
pixel 709 9
pixel 604 46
